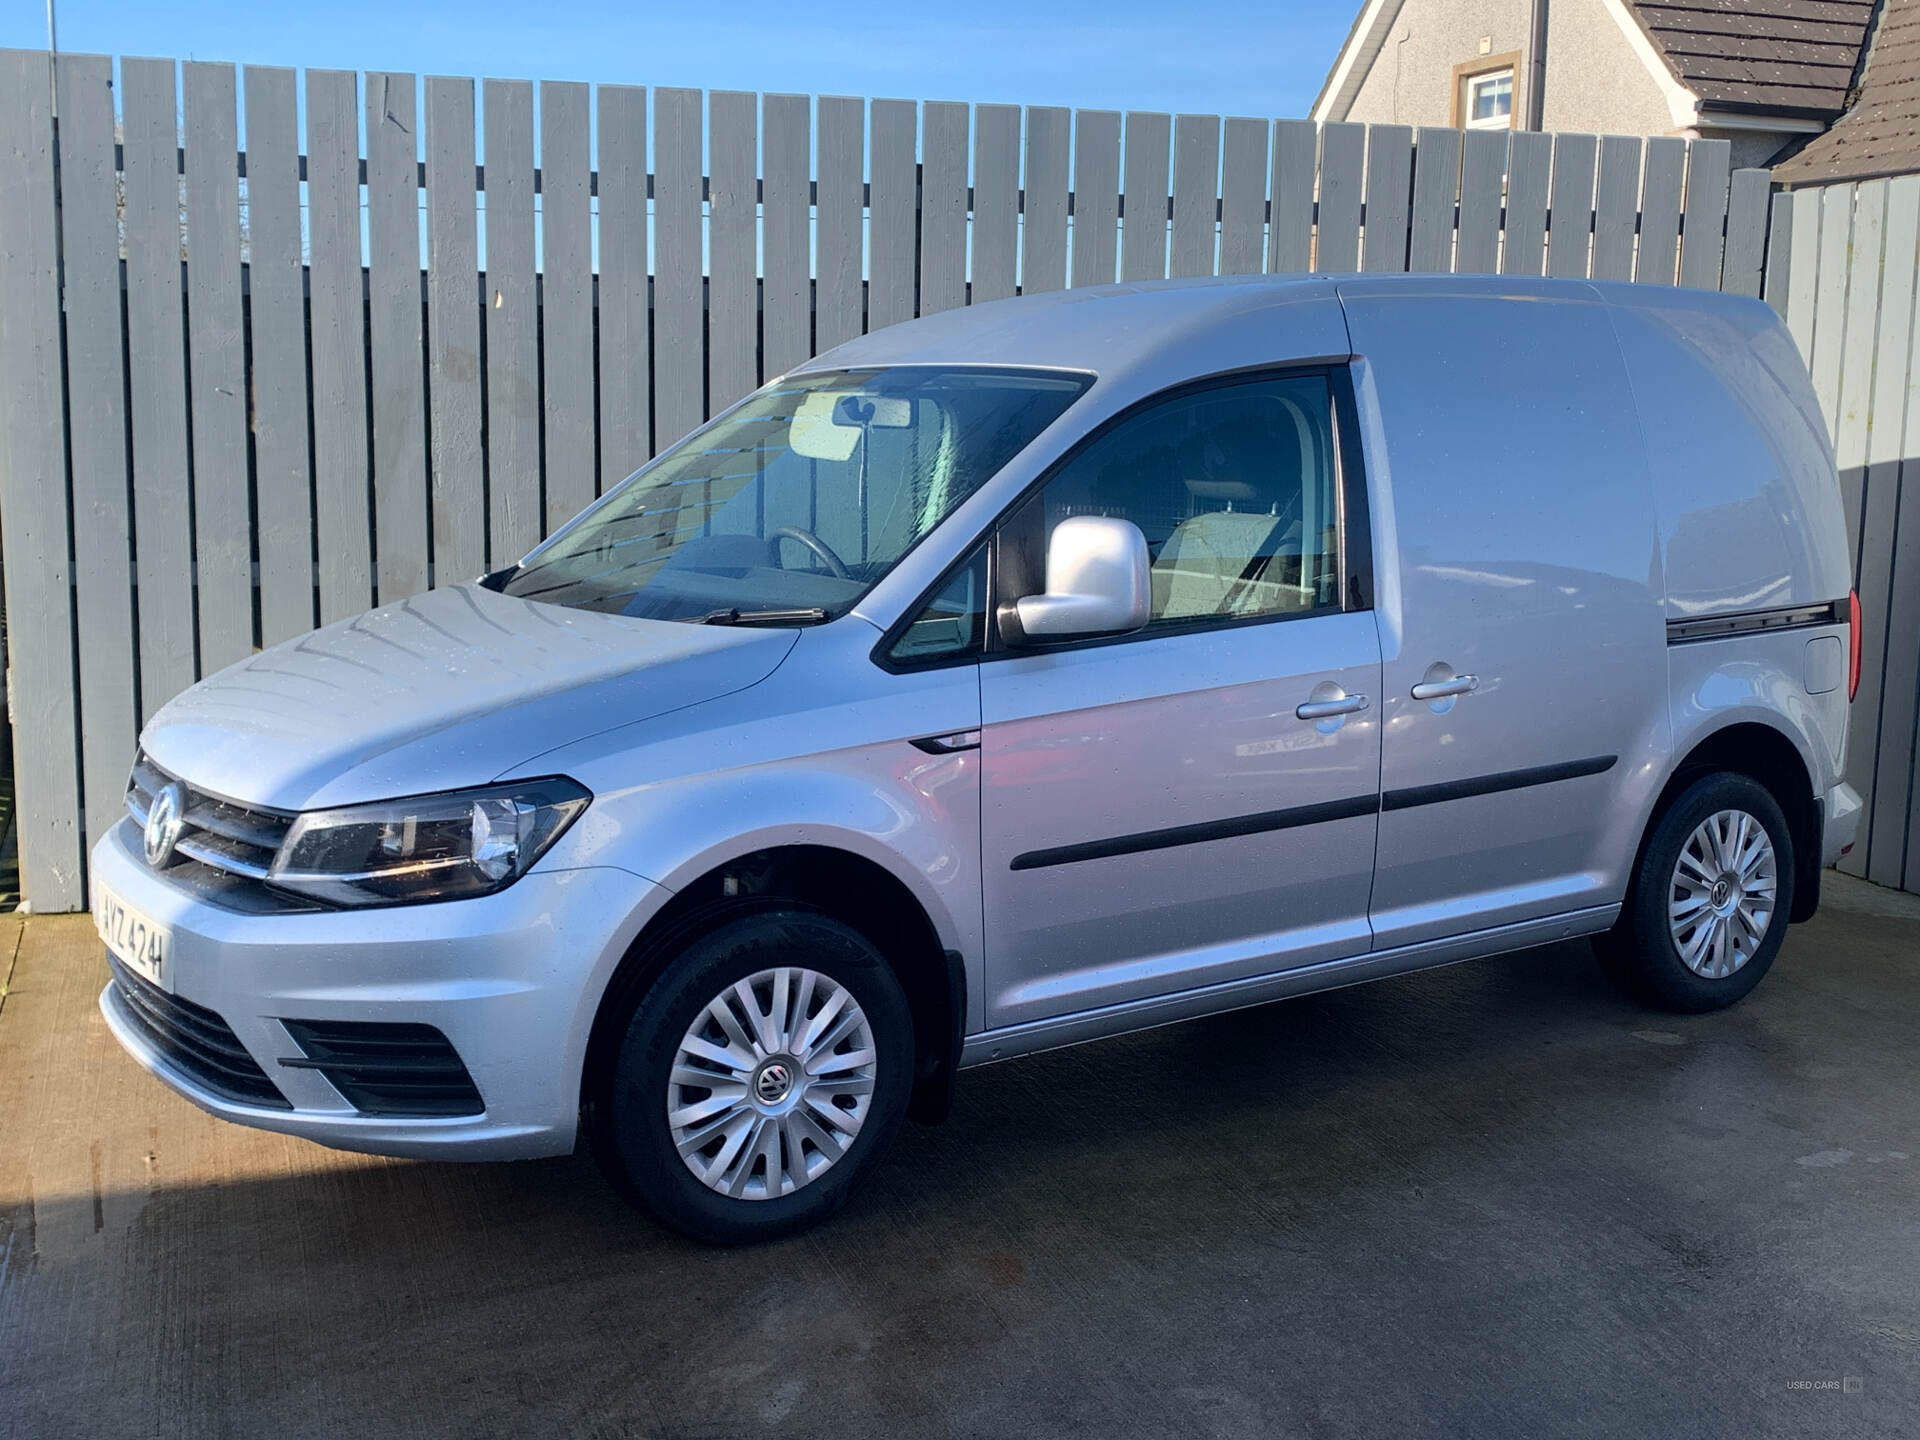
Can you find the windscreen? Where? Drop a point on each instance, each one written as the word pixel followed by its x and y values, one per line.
pixel 790 508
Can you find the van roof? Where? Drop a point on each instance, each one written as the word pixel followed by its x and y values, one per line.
pixel 1113 328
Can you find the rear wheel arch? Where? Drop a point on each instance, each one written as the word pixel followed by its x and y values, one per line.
pixel 858 892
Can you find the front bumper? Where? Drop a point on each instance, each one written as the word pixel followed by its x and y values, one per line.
pixel 511 980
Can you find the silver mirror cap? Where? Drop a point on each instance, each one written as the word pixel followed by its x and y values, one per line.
pixel 1099 581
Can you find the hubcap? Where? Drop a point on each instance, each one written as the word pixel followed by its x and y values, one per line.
pixel 1721 900
pixel 771 1083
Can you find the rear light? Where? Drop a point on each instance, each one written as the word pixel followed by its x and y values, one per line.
pixel 1853 644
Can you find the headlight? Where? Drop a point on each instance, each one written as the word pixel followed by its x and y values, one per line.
pixel 429 847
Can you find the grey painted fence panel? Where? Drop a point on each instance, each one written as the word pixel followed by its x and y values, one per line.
pixel 1096 196
pixel 1616 207
pixel 342 533
pixel 733 255
pixel 216 364
pixel 1483 171
pixel 1389 182
pixel 1196 182
pixel 277 332
pixel 996 201
pixel 1343 151
pixel 1296 151
pixel 843 151
pixel 33 492
pixel 1043 239
pixel 1143 219
pixel 1436 188
pixel 459 493
pixel 96 385
pixel 626 371
pixel 943 207
pixel 786 156
pixel 510 302
pixel 1660 194
pixel 891 228
pixel 566 302
pixel 156 341
pixel 679 352
pixel 393 311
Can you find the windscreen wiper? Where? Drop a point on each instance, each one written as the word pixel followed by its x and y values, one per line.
pixel 810 615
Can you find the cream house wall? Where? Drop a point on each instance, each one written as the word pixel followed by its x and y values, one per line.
pixel 1596 82
pixel 1411 83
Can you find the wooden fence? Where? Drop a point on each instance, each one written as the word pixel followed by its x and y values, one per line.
pixel 250 388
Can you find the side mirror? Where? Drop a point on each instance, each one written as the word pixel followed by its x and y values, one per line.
pixel 1099 582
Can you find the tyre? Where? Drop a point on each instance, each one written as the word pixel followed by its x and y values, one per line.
pixel 762 1074
pixel 1707 907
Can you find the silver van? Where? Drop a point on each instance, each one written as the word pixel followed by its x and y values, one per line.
pixel 1015 677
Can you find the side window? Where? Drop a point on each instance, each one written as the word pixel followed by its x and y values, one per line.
pixel 953 622
pixel 1234 489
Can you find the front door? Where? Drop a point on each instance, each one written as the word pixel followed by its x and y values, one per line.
pixel 1195 803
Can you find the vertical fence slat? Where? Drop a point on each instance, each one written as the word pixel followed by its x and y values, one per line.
pixel 1196 189
pixel 943 208
pixel 1746 231
pixel 1243 197
pixel 156 341
pixel 1143 217
pixel 1096 195
pixel 1296 143
pixel 1043 248
pixel 33 489
pixel 843 142
pixel 393 308
pixel 892 222
pixel 1436 181
pixel 1570 221
pixel 733 310
pixel 679 368
pixel 459 495
pixel 1666 171
pixel 509 300
pixel 342 535
pixel 1483 173
pixel 1862 260
pixel 1616 207
pixel 1343 160
pixel 566 301
pixel 626 389
pixel 1529 170
pixel 1827 298
pixel 1389 177
pixel 996 201
pixel 277 325
pixel 1700 241
pixel 216 363
pixel 786 160
pixel 103 594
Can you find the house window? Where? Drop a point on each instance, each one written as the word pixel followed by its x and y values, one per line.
pixel 1489 100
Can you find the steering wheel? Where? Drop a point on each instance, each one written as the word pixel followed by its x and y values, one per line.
pixel 814 543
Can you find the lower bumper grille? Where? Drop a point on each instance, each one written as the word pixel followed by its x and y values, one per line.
pixel 386 1069
pixel 195 1041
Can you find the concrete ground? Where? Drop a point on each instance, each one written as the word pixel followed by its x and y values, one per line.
pixel 1494 1200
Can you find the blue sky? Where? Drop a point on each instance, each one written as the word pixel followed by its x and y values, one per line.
pixel 1215 56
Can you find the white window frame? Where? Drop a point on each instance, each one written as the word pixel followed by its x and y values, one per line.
pixel 1471 83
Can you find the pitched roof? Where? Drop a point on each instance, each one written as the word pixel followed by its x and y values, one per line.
pixel 1761 55
pixel 1881 134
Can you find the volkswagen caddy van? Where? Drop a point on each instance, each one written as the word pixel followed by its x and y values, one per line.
pixel 1011 678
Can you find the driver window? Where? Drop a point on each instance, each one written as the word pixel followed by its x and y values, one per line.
pixel 1233 487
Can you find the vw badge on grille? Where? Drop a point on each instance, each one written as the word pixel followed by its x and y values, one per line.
pixel 163 824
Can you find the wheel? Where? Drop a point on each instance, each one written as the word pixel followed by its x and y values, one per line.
pixel 1707 908
pixel 761 1076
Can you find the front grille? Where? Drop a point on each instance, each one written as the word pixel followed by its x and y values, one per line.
pixel 195 1041
pixel 387 1069
pixel 225 849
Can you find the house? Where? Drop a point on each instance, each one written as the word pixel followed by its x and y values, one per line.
pixel 1880 134
pixel 1764 74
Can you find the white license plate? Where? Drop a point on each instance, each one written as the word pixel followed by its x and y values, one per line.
pixel 142 945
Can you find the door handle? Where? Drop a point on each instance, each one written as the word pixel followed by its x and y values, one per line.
pixel 1446 689
pixel 1326 709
